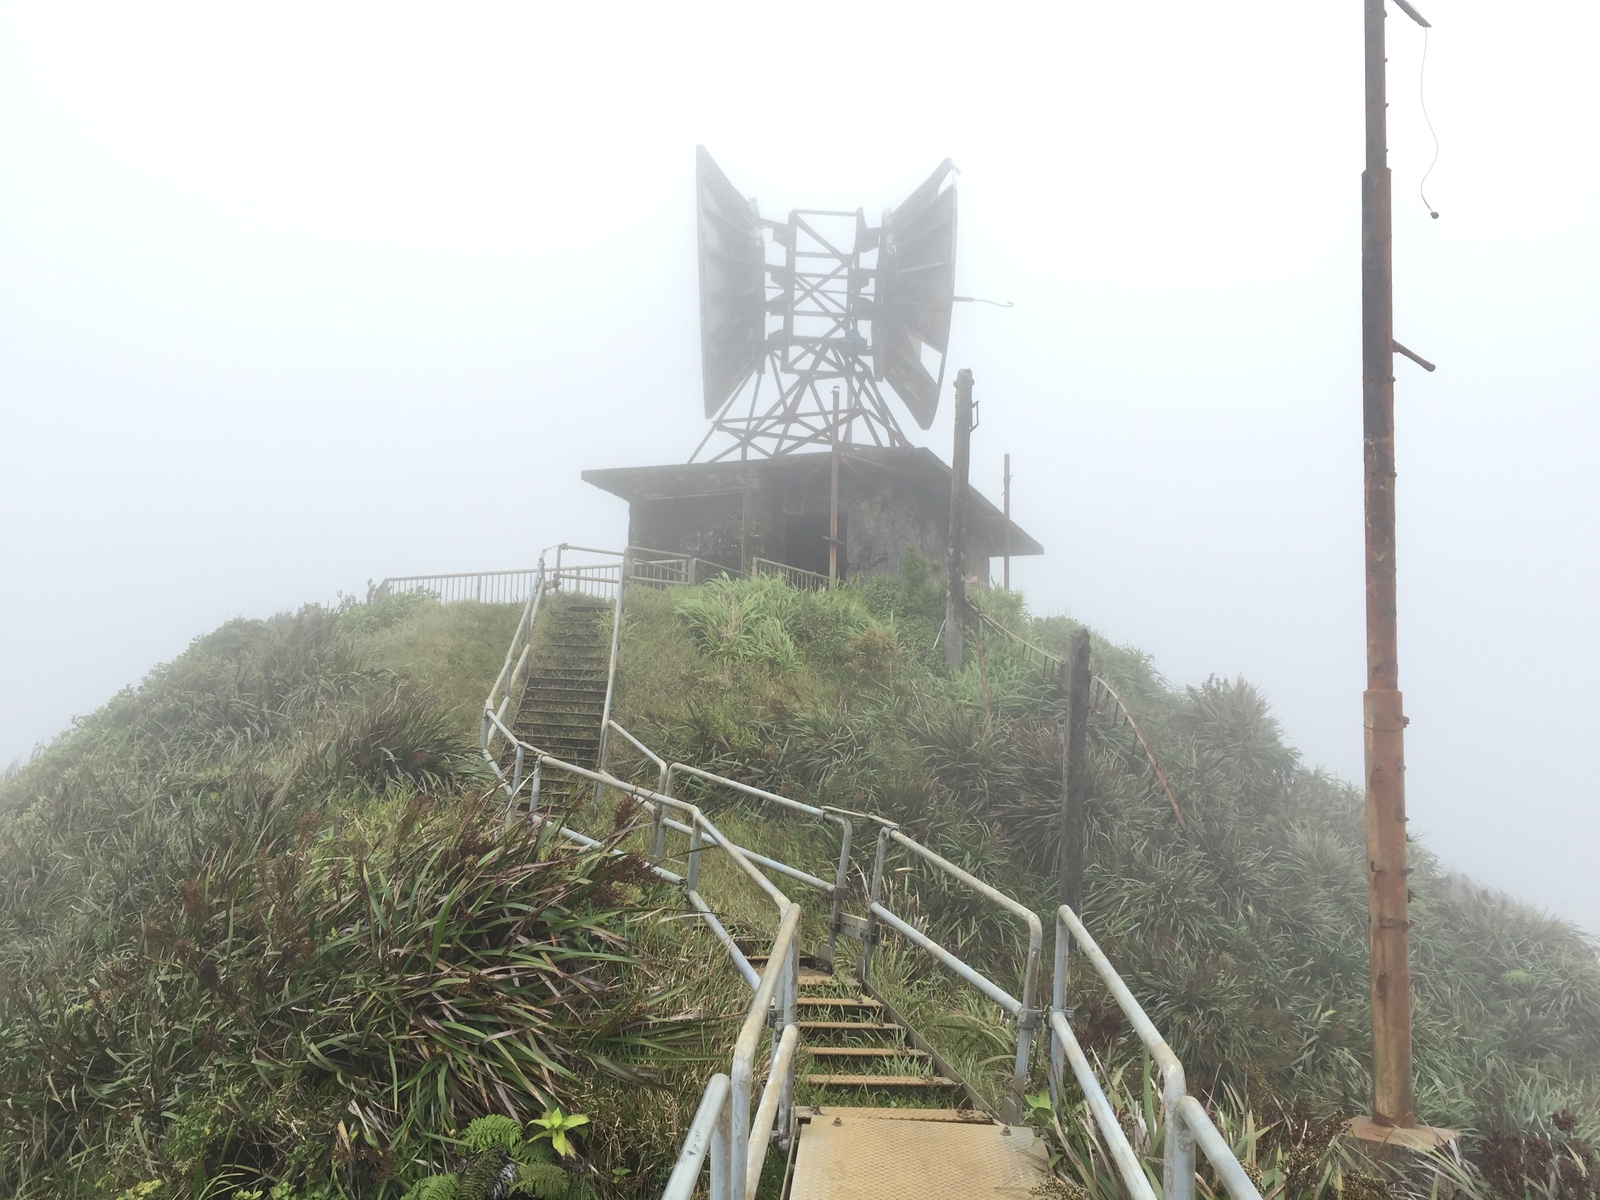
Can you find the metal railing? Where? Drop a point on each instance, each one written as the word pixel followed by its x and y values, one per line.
pixel 723 1131
pixel 658 568
pixel 1045 659
pixel 488 587
pixel 1022 1010
pixel 811 581
pixel 667 568
pixel 834 890
pixel 1186 1119
pixel 601 580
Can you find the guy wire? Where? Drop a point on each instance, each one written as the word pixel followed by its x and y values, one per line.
pixel 1422 73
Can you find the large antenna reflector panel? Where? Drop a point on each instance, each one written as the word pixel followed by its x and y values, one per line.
pixel 733 284
pixel 848 305
pixel 916 288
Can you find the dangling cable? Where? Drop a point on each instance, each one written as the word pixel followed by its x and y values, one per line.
pixel 1422 73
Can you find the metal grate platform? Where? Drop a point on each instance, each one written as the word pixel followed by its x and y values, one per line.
pixel 913 1154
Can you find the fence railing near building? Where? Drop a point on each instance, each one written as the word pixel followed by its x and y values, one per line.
pixel 486 587
pixel 667 568
pixel 811 581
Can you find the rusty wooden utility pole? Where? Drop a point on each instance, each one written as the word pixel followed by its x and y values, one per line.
pixel 1393 1101
pixel 955 607
pixel 1074 771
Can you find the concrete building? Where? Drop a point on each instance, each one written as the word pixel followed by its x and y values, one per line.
pixel 777 509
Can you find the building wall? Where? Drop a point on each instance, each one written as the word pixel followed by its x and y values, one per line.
pixel 881 512
pixel 732 512
pixel 708 526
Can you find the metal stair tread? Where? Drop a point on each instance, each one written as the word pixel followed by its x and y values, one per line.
pixel 857 1026
pixel 880 1081
pixel 849 1154
pixel 867 1052
pixel 838 1002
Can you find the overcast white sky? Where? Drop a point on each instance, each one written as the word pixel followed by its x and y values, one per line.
pixel 294 296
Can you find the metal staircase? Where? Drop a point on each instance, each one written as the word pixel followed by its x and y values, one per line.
pixel 864 1106
pixel 856 1049
pixel 563 701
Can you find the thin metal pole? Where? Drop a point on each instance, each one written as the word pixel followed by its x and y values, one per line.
pixel 1393 1102
pixel 1005 578
pixel 955 610
pixel 1074 771
pixel 833 502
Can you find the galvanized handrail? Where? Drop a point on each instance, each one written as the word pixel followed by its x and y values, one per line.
pixel 813 581
pixel 611 666
pixel 1048 659
pixel 507 683
pixel 660 763
pixel 1187 1120
pixel 489 587
pixel 600 580
pixel 673 567
pixel 738 1144
pixel 1022 1010
pixel 846 828
pixel 722 1128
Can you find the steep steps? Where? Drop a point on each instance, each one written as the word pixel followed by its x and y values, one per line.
pixel 877 1119
pixel 854 1052
pixel 563 702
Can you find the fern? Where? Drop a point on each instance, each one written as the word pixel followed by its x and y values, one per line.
pixel 543 1181
pixel 434 1187
pixel 494 1130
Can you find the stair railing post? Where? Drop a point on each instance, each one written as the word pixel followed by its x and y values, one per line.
pixel 658 818
pixel 739 1124
pixel 1058 1004
pixel 841 881
pixel 533 786
pixel 1027 1018
pixel 870 935
pixel 788 992
pixel 1177 1167
pixel 721 1153
pixel 516 776
pixel 611 679
pixel 691 875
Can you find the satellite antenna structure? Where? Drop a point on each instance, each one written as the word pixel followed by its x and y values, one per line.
pixel 790 310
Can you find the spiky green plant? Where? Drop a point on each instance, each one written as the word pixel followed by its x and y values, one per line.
pixel 262 923
pixel 1242 930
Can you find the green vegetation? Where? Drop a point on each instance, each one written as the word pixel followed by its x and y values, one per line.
pixel 501 1152
pixel 1243 935
pixel 265 927
pixel 267 931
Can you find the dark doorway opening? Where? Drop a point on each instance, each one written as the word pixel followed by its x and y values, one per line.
pixel 805 542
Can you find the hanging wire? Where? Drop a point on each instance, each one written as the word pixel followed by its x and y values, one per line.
pixel 1422 74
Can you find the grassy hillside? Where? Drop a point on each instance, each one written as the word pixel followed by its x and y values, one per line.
pixel 1244 933
pixel 263 922
pixel 259 916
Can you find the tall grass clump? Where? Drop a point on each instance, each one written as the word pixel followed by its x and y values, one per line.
pixel 264 925
pixel 1241 927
